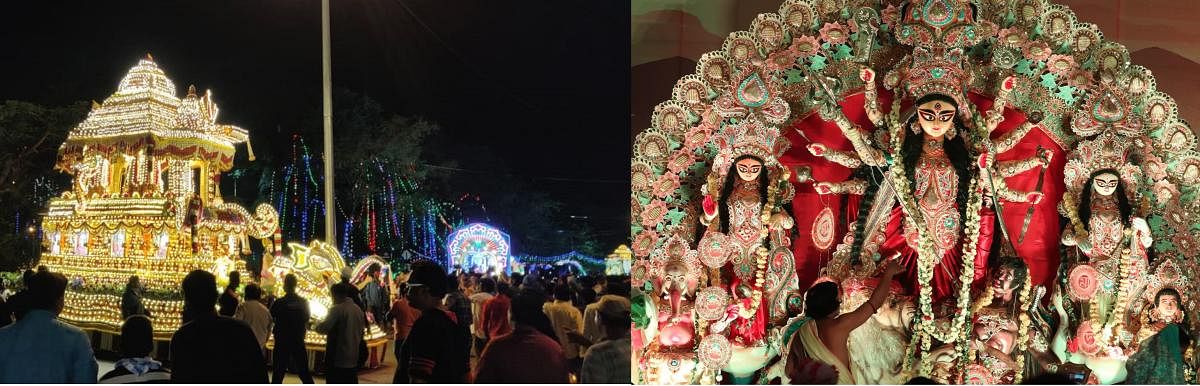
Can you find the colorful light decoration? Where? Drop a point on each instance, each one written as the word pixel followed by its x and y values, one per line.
pixel 580 261
pixel 480 248
pixel 391 213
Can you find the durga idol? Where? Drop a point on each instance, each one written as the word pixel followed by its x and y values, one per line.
pixel 940 171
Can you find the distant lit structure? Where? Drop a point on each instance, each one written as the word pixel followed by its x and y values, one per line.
pixel 479 248
pixel 619 261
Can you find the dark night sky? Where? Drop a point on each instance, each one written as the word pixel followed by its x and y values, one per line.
pixel 543 84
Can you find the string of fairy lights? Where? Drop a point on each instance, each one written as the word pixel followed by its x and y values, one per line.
pixel 395 216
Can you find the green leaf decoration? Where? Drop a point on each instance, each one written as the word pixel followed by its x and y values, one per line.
pixel 793 76
pixel 1048 81
pixel 675 216
pixel 1187 193
pixel 843 52
pixel 1009 19
pixel 1156 223
pixel 1025 67
pixel 685 195
pixel 1163 246
pixel 818 63
pixel 1089 64
pixel 1067 94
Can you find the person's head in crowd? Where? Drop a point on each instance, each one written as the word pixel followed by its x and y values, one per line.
pixel 615 316
pixel 617 288
pixel 426 285
pixel 46 290
pixel 453 284
pixel 373 271
pixel 253 292
pixel 488 285
pixel 43 268
pixel 235 279
pixel 822 300
pixel 26 277
pixel 340 292
pixel 289 284
pixel 526 310
pixel 137 337
pixel 133 285
pixel 199 294
pixel 562 292
pixel 517 279
pixel 504 289
pixel 401 291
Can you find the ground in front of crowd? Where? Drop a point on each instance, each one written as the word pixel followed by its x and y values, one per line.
pixel 378 375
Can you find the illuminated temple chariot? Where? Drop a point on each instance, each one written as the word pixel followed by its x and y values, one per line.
pixel 146 201
pixel 955 136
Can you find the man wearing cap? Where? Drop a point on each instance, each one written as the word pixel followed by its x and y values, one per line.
pixel 608 361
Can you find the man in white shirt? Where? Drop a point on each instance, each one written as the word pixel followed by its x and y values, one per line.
pixel 487 291
pixel 341 346
pixel 256 314
pixel 565 317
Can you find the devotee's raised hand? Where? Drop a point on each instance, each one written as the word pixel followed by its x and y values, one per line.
pixel 891 267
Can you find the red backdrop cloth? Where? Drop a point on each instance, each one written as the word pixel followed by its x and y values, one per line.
pixel 945 273
pixel 1040 247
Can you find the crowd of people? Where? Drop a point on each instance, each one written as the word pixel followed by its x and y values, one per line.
pixel 544 327
pixel 449 327
pixel 819 353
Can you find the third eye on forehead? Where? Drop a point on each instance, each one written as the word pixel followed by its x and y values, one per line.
pixel 936 112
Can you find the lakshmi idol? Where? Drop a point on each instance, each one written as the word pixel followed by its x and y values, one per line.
pixel 742 211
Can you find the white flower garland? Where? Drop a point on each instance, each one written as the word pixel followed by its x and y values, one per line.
pixel 927 259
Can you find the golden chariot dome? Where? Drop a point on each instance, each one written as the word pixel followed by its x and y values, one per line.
pixel 145 201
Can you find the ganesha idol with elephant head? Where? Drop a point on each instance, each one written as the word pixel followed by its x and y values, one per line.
pixel 671 332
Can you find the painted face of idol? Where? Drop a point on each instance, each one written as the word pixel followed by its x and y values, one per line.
pixel 748 169
pixel 1105 184
pixel 936 118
